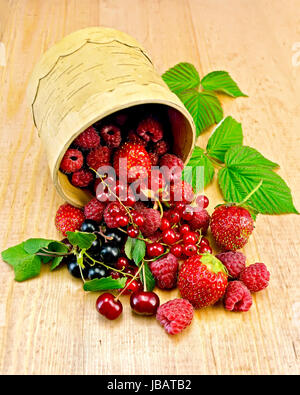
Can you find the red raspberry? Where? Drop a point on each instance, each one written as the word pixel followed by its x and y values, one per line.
pixel 138 162
pixel 152 220
pixel 200 221
pixel 82 178
pixel 68 218
pixel 98 157
pixel 111 135
pixel 135 139
pixel 109 219
pixel 88 139
pixel 237 297
pixel 165 271
pixel 94 210
pixel 171 161
pixel 150 129
pixel 155 237
pixel 256 277
pixel 234 262
pixel 72 161
pixel 153 158
pixel 161 147
pixel 181 191
pixel 175 315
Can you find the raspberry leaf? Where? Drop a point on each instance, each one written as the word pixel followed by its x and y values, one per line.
pixel 204 107
pixel 181 77
pixel 35 245
pixel 129 245
pixel 245 169
pixel 226 134
pixel 103 284
pixel 147 277
pixel 221 81
pixel 199 171
pixel 83 240
pixel 139 251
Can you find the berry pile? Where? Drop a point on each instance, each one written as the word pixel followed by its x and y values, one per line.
pixel 154 206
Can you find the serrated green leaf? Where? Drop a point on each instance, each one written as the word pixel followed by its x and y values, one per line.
pixel 56 262
pixel 139 251
pixel 199 171
pixel 13 255
pixel 81 239
pixel 226 134
pixel 245 168
pixel 221 81
pixel 129 245
pixel 181 77
pixel 150 280
pixel 204 107
pixel 103 284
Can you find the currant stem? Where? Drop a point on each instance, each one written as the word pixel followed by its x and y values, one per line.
pixel 251 193
pixel 108 267
pixel 134 277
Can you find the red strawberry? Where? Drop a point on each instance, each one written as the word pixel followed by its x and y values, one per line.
pixel 231 226
pixel 68 218
pixel 138 161
pixel 202 280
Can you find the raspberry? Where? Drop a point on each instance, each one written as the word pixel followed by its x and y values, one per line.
pixel 88 139
pixel 98 157
pixel 181 191
pixel 171 161
pixel 237 297
pixel 153 158
pixel 200 221
pixel 161 147
pixel 150 129
pixel 111 135
pixel 82 178
pixel 256 277
pixel 135 139
pixel 68 218
pixel 110 219
pixel 72 161
pixel 94 210
pixel 152 220
pixel 165 271
pixel 155 237
pixel 234 262
pixel 175 315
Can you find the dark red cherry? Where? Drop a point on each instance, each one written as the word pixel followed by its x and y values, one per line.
pixel 145 303
pixel 108 306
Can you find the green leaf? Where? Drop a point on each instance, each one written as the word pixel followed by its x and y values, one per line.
pixel 204 107
pixel 103 284
pixel 245 168
pixel 14 254
pixel 221 81
pixel 181 77
pixel 139 251
pixel 150 280
pixel 57 247
pixel 129 245
pixel 199 171
pixel 81 239
pixel 226 134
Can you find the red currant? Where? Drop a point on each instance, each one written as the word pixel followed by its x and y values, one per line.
pixel 145 303
pixel 165 224
pixel 176 250
pixel 114 210
pixel 204 242
pixel 190 249
pixel 122 220
pixel 190 238
pixel 115 275
pixel 179 206
pixel 108 306
pixel 138 218
pixel 202 201
pixel 155 249
pixel 174 217
pixel 169 236
pixel 188 214
pixel 205 250
pixel 122 263
pixel 132 232
pixel 184 229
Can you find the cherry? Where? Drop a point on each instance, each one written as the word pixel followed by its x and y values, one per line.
pixel 134 286
pixel 138 218
pixel 145 303
pixel 165 224
pixel 184 229
pixel 122 220
pixel 188 214
pixel 205 249
pixel 108 306
pixel 132 232
pixel 169 236
pixel 190 249
pixel 190 238
pixel 155 249
pixel 122 263
pixel 176 250
pixel 202 201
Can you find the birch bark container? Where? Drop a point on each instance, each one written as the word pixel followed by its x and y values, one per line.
pixel 88 75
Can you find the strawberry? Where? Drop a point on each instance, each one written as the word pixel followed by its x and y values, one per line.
pixel 138 161
pixel 231 226
pixel 202 280
pixel 68 218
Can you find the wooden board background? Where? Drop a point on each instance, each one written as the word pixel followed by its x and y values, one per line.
pixel 48 325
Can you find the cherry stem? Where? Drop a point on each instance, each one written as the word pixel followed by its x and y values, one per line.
pixel 145 285
pixel 251 193
pixel 108 267
pixel 133 278
pixel 55 253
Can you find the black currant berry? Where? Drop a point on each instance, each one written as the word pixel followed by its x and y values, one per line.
pixel 117 236
pixel 89 226
pixel 95 248
pixel 109 253
pixel 97 272
pixel 74 269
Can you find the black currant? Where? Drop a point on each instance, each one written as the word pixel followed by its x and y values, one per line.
pixel 109 253
pixel 97 272
pixel 117 236
pixel 94 250
pixel 74 269
pixel 89 226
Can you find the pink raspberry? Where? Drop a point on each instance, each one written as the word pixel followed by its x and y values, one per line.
pixel 234 262
pixel 111 134
pixel 150 129
pixel 72 161
pixel 110 219
pixel 165 271
pixel 82 178
pixel 98 157
pixel 175 315
pixel 171 161
pixel 200 221
pixel 161 147
pixel 88 139
pixel 152 220
pixel 256 277
pixel 237 297
pixel 181 191
pixel 94 210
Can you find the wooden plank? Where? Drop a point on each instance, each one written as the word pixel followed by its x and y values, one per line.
pixel 48 325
